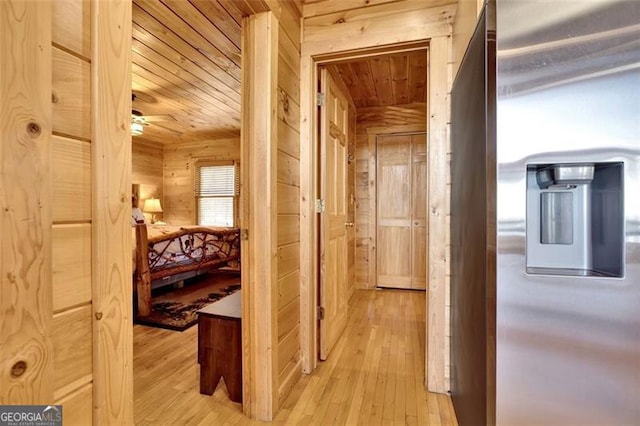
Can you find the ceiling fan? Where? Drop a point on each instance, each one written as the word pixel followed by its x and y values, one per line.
pixel 139 120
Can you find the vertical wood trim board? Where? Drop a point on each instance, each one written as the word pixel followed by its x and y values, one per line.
pixel 373 209
pixel 26 307
pixel 352 194
pixel 308 217
pixel 111 155
pixel 260 111
pixel 248 391
pixel 438 266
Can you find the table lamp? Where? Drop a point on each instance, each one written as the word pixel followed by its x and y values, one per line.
pixel 152 205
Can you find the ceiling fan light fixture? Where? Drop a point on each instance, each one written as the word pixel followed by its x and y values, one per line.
pixel 137 123
pixel 136 128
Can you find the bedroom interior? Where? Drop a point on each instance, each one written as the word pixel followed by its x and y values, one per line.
pixel 90 367
pixel 186 98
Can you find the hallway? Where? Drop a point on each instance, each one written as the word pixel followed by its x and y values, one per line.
pixel 373 376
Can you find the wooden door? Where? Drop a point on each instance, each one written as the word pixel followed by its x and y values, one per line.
pixel 333 221
pixel 401 211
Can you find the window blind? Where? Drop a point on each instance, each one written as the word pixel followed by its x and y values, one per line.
pixel 216 181
pixel 217 187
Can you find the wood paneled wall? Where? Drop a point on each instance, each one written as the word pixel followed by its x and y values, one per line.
pixel 463 27
pixel 335 25
pixel 72 219
pixel 288 201
pixel 398 119
pixel 179 202
pixel 65 309
pixel 147 163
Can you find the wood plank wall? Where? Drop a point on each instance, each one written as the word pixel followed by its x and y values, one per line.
pixel 179 203
pixel 72 218
pixel 288 198
pixel 352 199
pixel 463 27
pixel 65 309
pixel 147 163
pixel 399 117
pixel 336 25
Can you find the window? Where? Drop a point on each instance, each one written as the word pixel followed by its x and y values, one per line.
pixel 217 190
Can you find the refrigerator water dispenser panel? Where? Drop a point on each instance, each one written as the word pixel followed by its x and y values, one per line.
pixel 575 219
pixel 556 218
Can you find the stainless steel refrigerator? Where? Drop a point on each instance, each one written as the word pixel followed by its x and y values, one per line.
pixel 546 216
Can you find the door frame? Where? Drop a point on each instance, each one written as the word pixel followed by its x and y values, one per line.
pixel 372 137
pixel 439 73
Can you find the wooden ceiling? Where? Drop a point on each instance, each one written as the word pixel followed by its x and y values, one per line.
pixel 187 72
pixel 394 79
pixel 186 67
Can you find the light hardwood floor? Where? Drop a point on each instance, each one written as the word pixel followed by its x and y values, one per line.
pixel 374 375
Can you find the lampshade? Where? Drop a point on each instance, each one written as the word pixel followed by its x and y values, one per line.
pixel 152 205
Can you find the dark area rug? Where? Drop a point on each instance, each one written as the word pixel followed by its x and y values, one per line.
pixel 179 316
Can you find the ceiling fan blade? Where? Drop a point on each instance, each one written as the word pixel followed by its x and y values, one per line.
pixel 158 118
pixel 175 132
pixel 144 97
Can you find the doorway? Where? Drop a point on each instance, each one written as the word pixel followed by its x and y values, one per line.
pixel 364 98
pixel 330 46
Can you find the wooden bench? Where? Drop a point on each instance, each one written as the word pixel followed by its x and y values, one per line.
pixel 220 346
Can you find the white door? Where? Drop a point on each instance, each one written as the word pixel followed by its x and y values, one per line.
pixel 333 234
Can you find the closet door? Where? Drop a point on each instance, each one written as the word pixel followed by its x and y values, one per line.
pixel 394 211
pixel 401 211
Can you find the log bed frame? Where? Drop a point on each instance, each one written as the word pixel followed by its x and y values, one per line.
pixel 146 272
